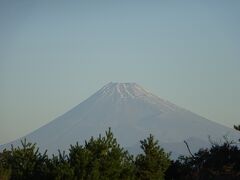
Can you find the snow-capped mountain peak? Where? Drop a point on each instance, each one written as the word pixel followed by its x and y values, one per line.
pixel 133 113
pixel 124 90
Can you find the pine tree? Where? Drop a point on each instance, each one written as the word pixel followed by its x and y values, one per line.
pixel 59 167
pixel 5 167
pixel 221 161
pixel 25 162
pixel 79 159
pixel 152 164
pixel 101 158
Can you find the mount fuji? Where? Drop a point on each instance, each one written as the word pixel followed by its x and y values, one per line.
pixel 132 113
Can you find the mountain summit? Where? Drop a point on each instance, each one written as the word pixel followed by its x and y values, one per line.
pixel 125 90
pixel 133 113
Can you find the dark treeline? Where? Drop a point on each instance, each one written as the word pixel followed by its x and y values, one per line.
pixel 103 158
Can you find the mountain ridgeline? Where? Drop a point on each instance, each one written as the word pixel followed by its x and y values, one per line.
pixel 132 113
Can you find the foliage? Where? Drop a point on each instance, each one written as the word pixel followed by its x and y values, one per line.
pixel 104 159
pixel 59 167
pixel 218 162
pixel 237 127
pixel 101 158
pixel 154 162
pixel 23 162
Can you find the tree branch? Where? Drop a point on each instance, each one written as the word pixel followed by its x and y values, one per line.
pixel 185 142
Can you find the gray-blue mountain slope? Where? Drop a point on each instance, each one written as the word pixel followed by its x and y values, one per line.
pixel 132 113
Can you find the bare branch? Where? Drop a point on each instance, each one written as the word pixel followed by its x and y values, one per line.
pixel 185 142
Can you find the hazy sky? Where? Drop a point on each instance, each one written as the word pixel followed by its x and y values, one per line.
pixel 55 54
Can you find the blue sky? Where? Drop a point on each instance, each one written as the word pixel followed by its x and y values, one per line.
pixel 55 54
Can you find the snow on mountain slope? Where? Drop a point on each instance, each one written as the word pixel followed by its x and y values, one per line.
pixel 132 113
